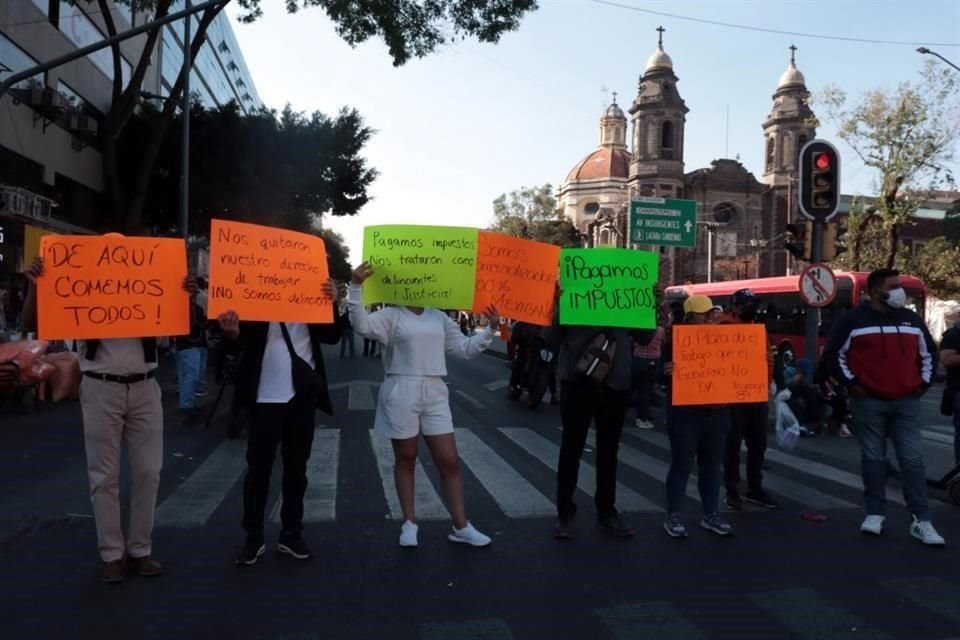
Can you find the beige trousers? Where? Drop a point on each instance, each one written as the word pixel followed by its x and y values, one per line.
pixel 114 415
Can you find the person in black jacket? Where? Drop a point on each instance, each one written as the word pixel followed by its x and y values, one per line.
pixel 266 383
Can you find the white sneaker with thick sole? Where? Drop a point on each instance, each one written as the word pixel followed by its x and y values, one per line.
pixel 872 525
pixel 643 424
pixel 923 531
pixel 408 534
pixel 469 535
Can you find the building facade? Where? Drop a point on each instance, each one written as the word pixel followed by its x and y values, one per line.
pixel 51 175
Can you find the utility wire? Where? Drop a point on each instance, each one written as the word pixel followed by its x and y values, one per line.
pixel 766 30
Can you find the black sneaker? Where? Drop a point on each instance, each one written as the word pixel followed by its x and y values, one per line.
pixel 734 502
pixel 761 498
pixel 563 530
pixel 250 553
pixel 295 547
pixel 613 524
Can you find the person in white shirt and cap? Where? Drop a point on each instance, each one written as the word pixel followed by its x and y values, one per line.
pixel 414 399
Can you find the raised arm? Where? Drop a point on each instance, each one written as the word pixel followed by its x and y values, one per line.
pixel 377 326
pixel 472 346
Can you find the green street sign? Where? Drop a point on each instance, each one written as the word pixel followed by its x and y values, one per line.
pixel 663 222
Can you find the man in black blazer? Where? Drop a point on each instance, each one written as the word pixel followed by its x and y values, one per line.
pixel 266 387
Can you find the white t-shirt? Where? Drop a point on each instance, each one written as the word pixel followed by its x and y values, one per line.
pixel 276 371
pixel 414 345
pixel 116 356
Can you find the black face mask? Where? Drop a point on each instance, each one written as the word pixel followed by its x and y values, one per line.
pixel 748 313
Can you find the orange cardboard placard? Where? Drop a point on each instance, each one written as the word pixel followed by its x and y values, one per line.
pixel 267 274
pixel 720 364
pixel 517 276
pixel 112 286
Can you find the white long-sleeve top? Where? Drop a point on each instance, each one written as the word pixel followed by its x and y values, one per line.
pixel 414 345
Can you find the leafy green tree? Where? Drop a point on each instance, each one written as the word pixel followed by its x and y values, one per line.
pixel 531 213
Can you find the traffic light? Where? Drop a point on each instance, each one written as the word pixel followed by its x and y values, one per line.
pixel 801 239
pixel 819 180
pixel 833 240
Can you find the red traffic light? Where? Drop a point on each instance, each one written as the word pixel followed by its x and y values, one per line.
pixel 822 161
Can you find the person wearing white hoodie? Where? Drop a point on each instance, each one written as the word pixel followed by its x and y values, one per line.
pixel 414 400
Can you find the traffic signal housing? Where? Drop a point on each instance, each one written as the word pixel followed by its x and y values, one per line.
pixel 819 180
pixel 800 241
pixel 833 244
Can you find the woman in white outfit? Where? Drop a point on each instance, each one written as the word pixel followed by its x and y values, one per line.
pixel 414 398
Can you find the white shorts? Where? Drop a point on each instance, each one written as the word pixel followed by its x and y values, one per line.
pixel 410 405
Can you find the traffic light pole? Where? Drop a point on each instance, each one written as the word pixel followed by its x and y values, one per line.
pixel 813 313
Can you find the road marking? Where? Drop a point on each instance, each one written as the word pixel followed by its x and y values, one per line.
pixel 359 397
pixel 800 464
pixel 548 453
pixel 346 385
pixel 496 385
pixel 320 500
pixel 470 400
pixel 428 503
pixel 517 497
pixel 194 501
pixel 811 617
pixel 939 438
pixel 933 594
pixel 649 466
pixel 488 629
pixel 648 620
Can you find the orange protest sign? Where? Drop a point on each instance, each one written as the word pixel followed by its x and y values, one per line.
pixel 267 274
pixel 112 286
pixel 720 364
pixel 517 276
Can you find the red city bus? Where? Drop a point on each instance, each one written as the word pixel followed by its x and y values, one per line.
pixel 782 310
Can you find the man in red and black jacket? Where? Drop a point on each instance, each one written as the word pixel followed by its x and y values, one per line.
pixel 884 355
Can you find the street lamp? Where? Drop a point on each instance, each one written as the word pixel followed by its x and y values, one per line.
pixel 924 50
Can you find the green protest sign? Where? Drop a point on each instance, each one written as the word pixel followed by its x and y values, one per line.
pixel 608 288
pixel 421 266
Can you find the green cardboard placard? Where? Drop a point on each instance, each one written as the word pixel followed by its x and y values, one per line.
pixel 608 288
pixel 421 266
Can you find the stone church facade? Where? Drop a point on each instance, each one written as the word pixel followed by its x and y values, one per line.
pixel 740 218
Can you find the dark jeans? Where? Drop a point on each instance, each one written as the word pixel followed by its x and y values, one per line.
pixel 369 347
pixel 956 429
pixel 291 426
pixel 346 340
pixel 701 433
pixel 581 404
pixel 748 422
pixel 644 378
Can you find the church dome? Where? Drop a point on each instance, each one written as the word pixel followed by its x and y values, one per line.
pixel 791 77
pixel 659 60
pixel 614 111
pixel 606 162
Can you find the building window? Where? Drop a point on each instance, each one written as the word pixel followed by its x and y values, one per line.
pixel 604 237
pixel 724 212
pixel 82 31
pixel 666 135
pixel 15 59
pixel 591 208
pixel 770 148
pixel 666 190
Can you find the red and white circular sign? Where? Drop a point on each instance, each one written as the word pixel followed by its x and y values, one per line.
pixel 818 285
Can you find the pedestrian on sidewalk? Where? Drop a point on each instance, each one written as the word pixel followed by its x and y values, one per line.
pixel 646 359
pixel 120 405
pixel 748 423
pixel 695 432
pixel 202 298
pixel 280 383
pixel 414 399
pixel 884 354
pixel 594 373
pixel 347 338
pixel 191 352
pixel 950 357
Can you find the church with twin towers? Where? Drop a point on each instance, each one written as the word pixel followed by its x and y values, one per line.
pixel 745 215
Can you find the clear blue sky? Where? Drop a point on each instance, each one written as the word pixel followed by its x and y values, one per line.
pixel 472 121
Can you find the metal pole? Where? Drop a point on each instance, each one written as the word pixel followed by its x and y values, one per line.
pixel 786 255
pixel 185 142
pixel 813 313
pixel 709 253
pixel 934 53
pixel 103 44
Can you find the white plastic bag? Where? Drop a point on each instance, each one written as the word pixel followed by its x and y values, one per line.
pixel 788 427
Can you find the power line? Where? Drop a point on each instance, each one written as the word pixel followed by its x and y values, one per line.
pixel 766 30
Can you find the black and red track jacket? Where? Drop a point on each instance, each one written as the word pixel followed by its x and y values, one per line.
pixel 890 354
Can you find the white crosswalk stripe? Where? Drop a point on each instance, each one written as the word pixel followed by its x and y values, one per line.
pixel 195 500
pixel 320 500
pixel 496 385
pixel 428 503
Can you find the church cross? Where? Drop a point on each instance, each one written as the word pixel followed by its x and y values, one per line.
pixel 661 30
pixel 793 51
pixel 614 97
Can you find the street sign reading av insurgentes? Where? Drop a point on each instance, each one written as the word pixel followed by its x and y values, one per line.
pixel 663 222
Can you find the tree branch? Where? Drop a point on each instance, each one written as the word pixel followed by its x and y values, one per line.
pixel 114 49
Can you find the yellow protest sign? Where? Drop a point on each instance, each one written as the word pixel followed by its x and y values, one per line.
pixel 720 364
pixel 267 274
pixel 112 286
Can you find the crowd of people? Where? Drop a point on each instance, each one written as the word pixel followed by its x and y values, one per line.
pixel 878 361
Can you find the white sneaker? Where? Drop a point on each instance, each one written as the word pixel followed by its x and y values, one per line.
pixel 873 525
pixel 469 535
pixel 923 531
pixel 643 424
pixel 408 534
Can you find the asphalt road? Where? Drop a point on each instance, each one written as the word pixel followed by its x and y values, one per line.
pixel 779 576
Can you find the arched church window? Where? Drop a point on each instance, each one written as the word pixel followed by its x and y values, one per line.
pixel 769 154
pixel 591 208
pixel 666 135
pixel 604 237
pixel 724 212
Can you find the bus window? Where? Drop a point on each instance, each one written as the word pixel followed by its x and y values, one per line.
pixel 830 314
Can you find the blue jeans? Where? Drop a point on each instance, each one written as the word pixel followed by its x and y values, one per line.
pixel 644 376
pixel 188 376
pixel 956 428
pixel 701 433
pixel 876 420
pixel 346 340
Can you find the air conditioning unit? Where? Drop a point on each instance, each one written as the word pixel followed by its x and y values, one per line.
pixel 81 123
pixel 13 200
pixel 46 98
